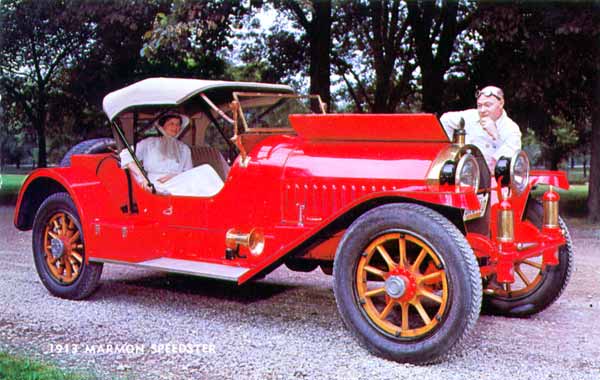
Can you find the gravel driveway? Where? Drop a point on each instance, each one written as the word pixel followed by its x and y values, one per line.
pixel 148 325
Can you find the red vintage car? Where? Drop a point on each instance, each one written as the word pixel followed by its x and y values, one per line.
pixel 418 234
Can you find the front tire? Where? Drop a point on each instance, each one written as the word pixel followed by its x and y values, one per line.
pixel 536 287
pixel 407 284
pixel 59 250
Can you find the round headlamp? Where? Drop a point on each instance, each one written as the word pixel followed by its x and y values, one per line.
pixel 519 172
pixel 467 172
pixel 514 171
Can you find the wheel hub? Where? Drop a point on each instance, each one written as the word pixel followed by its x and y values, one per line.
pixel 395 286
pixel 57 247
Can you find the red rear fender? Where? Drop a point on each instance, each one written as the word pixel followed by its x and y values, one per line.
pixel 44 182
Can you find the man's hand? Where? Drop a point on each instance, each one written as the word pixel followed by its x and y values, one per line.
pixel 489 126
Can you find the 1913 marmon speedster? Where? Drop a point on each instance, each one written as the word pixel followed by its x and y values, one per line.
pixel 412 225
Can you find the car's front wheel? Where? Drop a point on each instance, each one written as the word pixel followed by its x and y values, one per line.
pixel 59 250
pixel 407 283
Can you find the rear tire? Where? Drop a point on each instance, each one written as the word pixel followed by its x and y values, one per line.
pixel 92 146
pixel 546 285
pixel 59 250
pixel 427 318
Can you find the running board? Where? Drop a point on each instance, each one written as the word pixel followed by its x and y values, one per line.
pixel 194 268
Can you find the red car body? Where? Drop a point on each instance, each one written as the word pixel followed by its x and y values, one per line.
pixel 302 191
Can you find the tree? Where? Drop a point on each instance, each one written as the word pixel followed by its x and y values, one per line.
pixel 372 38
pixel 192 38
pixel 315 18
pixel 39 39
pixel 546 58
pixel 435 27
pixel 299 43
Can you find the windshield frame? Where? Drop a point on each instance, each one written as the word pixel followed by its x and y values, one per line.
pixel 237 95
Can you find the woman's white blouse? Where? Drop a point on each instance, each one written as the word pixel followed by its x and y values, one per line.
pixel 201 181
pixel 155 163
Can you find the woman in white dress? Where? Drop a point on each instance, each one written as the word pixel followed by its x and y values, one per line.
pixel 168 162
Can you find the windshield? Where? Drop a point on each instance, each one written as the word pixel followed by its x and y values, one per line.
pixel 269 112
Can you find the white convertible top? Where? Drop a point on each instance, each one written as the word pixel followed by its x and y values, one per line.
pixel 174 91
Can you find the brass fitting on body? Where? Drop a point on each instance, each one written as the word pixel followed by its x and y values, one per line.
pixel 460 134
pixel 550 203
pixel 506 223
pixel 253 240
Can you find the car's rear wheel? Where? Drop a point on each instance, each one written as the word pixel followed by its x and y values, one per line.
pixel 407 283
pixel 91 146
pixel 536 286
pixel 59 250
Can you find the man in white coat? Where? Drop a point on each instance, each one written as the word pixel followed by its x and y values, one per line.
pixel 488 127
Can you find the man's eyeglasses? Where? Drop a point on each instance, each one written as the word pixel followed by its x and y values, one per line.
pixel 487 92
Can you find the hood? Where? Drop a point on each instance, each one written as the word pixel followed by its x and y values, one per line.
pixel 369 127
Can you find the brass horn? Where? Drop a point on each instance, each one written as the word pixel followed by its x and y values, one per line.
pixel 253 240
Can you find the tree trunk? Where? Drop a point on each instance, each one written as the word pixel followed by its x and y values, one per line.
pixel 320 50
pixel 593 201
pixel 433 88
pixel 41 137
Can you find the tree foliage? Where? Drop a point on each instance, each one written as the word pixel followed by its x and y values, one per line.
pixel 545 55
pixel 541 56
pixel 39 39
pixel 193 38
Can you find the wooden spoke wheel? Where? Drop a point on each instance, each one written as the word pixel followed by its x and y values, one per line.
pixel 406 283
pixel 63 248
pixel 401 285
pixel 536 286
pixel 59 249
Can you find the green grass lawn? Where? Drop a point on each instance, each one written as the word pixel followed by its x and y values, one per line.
pixel 14 367
pixel 9 186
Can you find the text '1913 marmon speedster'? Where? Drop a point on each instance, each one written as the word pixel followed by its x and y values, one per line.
pixel 417 232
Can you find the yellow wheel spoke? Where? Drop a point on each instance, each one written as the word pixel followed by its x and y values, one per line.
pixel 405 306
pixel 419 260
pixel 386 256
pixel 532 264
pixel 375 292
pixel 74 237
pixel 422 312
pixel 53 235
pixel 68 269
pixel 64 224
pixel 522 275
pixel 77 257
pixel 431 296
pixel 402 248
pixel 375 271
pixel 388 308
pixel 56 225
pixel 431 277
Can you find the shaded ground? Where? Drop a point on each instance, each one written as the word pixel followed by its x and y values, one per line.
pixel 283 327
